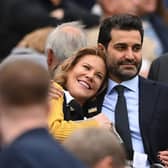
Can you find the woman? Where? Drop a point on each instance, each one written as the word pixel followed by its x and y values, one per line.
pixel 82 76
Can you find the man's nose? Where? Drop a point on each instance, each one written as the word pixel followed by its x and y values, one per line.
pixel 129 54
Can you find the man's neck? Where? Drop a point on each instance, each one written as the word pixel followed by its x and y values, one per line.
pixel 14 126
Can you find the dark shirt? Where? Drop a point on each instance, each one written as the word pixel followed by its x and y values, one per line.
pixel 36 149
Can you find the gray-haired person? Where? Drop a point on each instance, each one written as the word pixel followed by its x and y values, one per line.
pixel 63 42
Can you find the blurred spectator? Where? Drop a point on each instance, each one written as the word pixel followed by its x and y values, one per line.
pixel 32 46
pixel 87 4
pixel 166 3
pixel 23 119
pixel 70 11
pixel 36 39
pixel 20 17
pixel 71 38
pixel 155 32
pixel 99 148
pixel 28 54
pixel 162 9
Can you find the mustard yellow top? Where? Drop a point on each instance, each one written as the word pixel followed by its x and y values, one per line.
pixel 60 128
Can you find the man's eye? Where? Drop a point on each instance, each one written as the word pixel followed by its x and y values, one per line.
pixel 137 48
pixel 120 48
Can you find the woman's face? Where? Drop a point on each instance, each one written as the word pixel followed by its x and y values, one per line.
pixel 86 77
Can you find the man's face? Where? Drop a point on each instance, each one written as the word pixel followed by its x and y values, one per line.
pixel 124 54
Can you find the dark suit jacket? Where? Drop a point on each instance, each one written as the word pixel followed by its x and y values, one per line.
pixel 159 68
pixel 153 116
pixel 36 149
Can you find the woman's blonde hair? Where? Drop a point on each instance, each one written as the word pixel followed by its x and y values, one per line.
pixel 60 75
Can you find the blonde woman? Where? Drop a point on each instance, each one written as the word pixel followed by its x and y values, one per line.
pixel 82 77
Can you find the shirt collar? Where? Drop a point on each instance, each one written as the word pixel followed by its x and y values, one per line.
pixel 131 84
pixel 68 97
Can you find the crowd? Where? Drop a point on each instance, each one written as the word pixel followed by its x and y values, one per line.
pixel 83 84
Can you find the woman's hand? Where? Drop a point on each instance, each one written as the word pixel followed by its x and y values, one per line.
pixel 163 157
pixel 102 120
pixel 55 92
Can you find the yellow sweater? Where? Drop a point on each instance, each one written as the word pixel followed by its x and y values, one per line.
pixel 60 128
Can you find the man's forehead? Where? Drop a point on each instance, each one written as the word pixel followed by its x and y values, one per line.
pixel 125 36
pixel 124 32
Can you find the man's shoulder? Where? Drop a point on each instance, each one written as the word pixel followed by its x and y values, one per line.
pixel 150 82
pixel 149 86
pixel 32 151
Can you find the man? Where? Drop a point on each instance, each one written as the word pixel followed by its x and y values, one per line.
pixel 122 37
pixel 99 148
pixel 155 30
pixel 23 118
pixel 71 38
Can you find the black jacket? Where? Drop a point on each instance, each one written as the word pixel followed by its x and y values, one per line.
pixel 153 116
pixel 37 149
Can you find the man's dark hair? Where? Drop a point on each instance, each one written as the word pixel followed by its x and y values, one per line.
pixel 120 22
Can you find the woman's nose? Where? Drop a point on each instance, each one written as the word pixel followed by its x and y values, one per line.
pixel 90 74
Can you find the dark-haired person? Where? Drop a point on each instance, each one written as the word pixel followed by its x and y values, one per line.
pixel 122 38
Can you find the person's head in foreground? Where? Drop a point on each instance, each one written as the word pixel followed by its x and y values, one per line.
pixel 96 147
pixel 24 105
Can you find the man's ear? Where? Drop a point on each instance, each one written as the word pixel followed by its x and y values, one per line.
pixel 101 46
pixel 50 57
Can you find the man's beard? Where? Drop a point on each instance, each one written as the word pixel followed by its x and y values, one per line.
pixel 121 74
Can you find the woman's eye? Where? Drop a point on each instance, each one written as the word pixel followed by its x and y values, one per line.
pixel 99 76
pixel 86 67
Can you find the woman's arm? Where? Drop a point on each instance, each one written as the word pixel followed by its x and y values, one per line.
pixel 60 128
